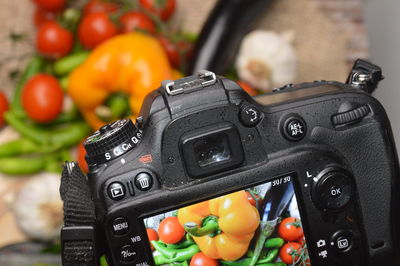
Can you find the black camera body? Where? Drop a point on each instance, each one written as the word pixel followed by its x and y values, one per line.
pixel 321 152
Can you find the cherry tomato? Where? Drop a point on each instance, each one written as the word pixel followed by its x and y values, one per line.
pixel 42 16
pixel 95 6
pixel 134 20
pixel 253 200
pixel 290 252
pixel 200 259
pixel 170 230
pixel 290 229
pixel 3 108
pixel 152 235
pixel 42 98
pixel 176 52
pixel 53 40
pixel 161 8
pixel 50 5
pixel 81 158
pixel 171 50
pixel 95 28
pixel 301 241
pixel 250 90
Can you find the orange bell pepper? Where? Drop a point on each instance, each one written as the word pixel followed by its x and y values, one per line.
pixel 236 219
pixel 133 63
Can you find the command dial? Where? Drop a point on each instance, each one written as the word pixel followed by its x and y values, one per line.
pixel 111 141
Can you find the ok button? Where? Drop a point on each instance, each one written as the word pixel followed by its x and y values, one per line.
pixel 336 191
pixel 333 190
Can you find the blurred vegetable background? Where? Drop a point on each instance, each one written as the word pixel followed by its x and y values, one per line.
pixel 68 67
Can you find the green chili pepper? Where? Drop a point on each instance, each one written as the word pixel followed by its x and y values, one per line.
pixel 271 255
pixel 275 242
pixel 247 261
pixel 272 264
pixel 118 104
pixel 173 255
pixel 64 83
pixel 267 227
pixel 182 244
pixel 250 253
pixel 242 262
pixel 34 66
pixel 209 226
pixel 18 146
pixel 66 136
pixel 53 166
pixel 68 63
pixel 22 165
pixel 161 247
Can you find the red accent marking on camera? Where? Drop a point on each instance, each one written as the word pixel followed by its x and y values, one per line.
pixel 146 158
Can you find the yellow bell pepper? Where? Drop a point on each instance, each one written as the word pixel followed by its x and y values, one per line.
pixel 133 63
pixel 237 221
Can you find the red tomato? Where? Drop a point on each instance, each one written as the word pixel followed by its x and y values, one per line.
pixel 81 158
pixel 247 88
pixel 152 235
pixel 253 200
pixel 301 241
pixel 170 230
pixel 53 40
pixel 171 50
pixel 161 8
pixel 176 52
pixel 50 5
pixel 200 259
pixel 290 252
pixel 95 28
pixel 42 16
pixel 290 229
pixel 3 108
pixel 95 6
pixel 134 20
pixel 42 98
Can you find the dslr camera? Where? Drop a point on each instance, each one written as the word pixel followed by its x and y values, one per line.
pixel 207 175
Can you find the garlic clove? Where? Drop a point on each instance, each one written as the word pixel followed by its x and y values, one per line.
pixel 266 60
pixel 38 207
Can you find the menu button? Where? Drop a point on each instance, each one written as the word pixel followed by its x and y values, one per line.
pixel 120 226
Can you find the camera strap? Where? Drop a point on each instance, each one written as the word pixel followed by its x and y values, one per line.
pixel 78 234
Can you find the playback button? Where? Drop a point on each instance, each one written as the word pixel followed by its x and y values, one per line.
pixel 116 191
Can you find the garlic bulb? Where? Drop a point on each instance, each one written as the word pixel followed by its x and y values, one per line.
pixel 38 207
pixel 266 60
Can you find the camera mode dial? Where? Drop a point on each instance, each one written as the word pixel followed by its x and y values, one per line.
pixel 111 141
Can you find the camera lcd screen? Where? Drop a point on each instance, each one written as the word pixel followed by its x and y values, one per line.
pixel 252 226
